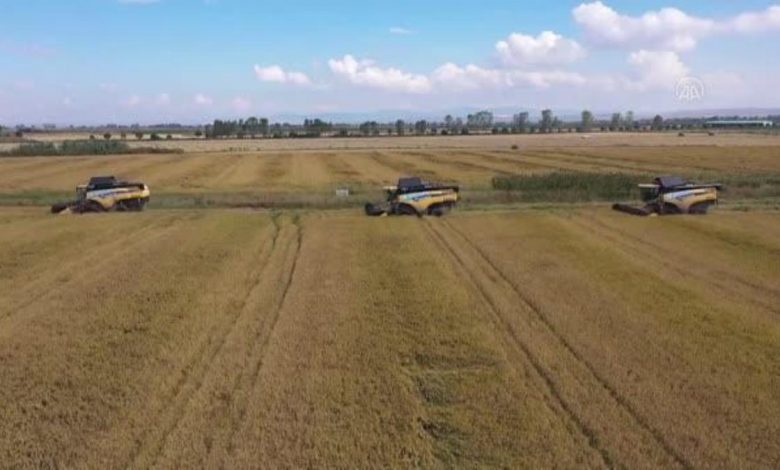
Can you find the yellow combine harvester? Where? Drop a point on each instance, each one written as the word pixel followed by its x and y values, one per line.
pixel 668 195
pixel 105 193
pixel 413 196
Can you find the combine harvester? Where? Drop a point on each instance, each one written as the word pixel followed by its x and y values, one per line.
pixel 105 193
pixel 669 195
pixel 413 196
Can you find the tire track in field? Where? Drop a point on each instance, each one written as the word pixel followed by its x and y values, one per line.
pixel 500 158
pixel 612 159
pixel 193 374
pixel 273 169
pixel 76 164
pixel 263 339
pixel 595 405
pixel 658 255
pixel 402 167
pixel 460 164
pixel 513 342
pixel 194 386
pixel 91 263
pixel 338 167
pixel 625 165
pixel 559 163
pixel 537 162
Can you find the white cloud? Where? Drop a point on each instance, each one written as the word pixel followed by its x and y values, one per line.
pixel 546 79
pixel 400 31
pixel 449 77
pixel 163 99
pixel 131 101
pixel 67 101
pixel 365 73
pixel 277 74
pixel 656 70
pixel 665 29
pixel 108 87
pixel 545 49
pixel 203 100
pixel 470 77
pixel 756 22
pixel 241 104
pixel 452 77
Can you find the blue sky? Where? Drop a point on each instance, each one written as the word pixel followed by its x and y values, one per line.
pixel 124 61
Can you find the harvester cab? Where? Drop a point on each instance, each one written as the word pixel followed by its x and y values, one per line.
pixel 106 193
pixel 413 196
pixel 668 195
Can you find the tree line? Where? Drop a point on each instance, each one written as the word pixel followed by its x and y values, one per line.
pixel 482 122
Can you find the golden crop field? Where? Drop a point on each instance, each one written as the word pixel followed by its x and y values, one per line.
pixel 510 339
pixel 324 170
pixel 548 335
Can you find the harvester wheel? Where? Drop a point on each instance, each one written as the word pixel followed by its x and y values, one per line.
pixel 373 210
pixel 670 209
pixel 700 208
pixel 406 209
pixel 439 210
pixel 131 205
pixel 92 206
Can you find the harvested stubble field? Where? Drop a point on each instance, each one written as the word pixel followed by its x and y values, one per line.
pixel 569 337
pixel 307 177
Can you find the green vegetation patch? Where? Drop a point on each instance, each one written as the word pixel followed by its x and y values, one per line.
pixel 80 147
pixel 570 186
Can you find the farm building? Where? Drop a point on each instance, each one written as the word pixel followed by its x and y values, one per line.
pixel 738 124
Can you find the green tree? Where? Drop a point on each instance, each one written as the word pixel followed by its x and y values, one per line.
pixel 198 133
pixel 421 127
pixel 449 121
pixel 617 121
pixel 264 126
pixel 658 123
pixel 107 136
pixel 400 127
pixel 629 120
pixel 481 120
pixel 547 121
pixel 520 122
pixel 139 135
pixel 587 120
pixel 252 126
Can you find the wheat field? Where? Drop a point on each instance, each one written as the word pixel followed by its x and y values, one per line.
pixel 548 336
pixel 510 339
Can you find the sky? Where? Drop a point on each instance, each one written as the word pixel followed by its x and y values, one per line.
pixel 190 61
